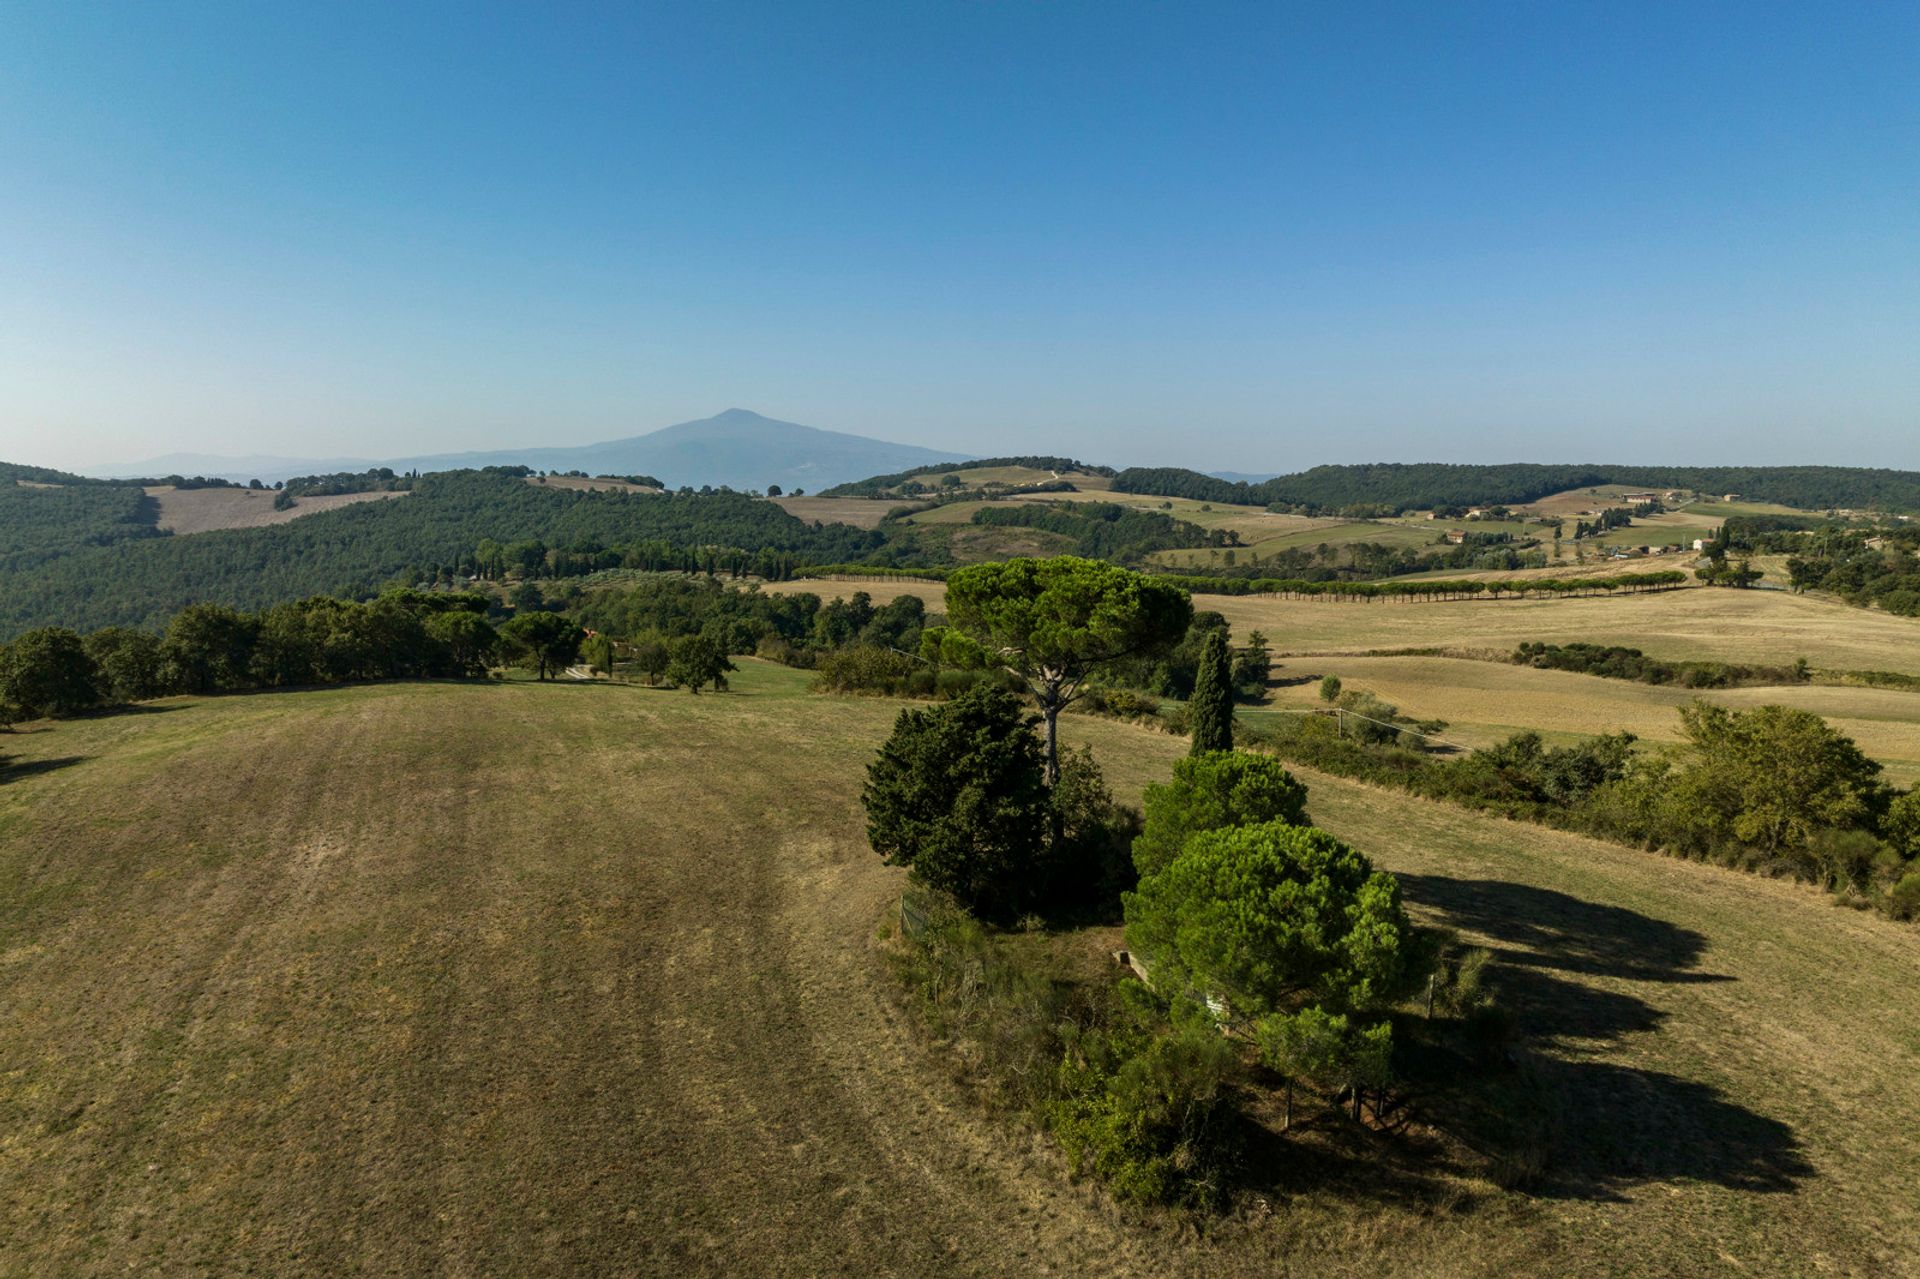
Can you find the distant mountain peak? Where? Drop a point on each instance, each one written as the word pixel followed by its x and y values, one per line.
pixel 736 447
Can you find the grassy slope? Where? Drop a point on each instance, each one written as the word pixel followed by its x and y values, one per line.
pixel 518 979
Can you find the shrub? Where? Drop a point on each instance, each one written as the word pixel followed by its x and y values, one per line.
pixel 864 668
pixel 1903 899
pixel 1223 788
pixel 1147 1110
pixel 1330 689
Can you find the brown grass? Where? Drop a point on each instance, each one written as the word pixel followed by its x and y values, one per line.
pixel 525 979
pixel 861 512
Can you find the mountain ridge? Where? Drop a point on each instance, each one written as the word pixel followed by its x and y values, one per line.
pixel 737 448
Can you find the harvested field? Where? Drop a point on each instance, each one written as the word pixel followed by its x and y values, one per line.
pixel 1486 702
pixel 861 512
pixel 184 511
pixel 512 979
pixel 1734 626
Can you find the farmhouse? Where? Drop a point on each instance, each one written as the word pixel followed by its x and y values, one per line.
pixel 1456 535
pixel 1637 499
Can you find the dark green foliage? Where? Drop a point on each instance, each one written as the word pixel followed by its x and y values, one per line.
pixel 1524 769
pixel 208 647
pixel 881 485
pixel 1393 487
pixel 1614 662
pixel 1145 1103
pixel 1210 709
pixel 545 643
pixel 1273 918
pixel 128 662
pixel 956 795
pixel 1252 668
pixel 697 660
pixel 40 525
pixel 1138 1094
pixel 1769 777
pixel 1103 530
pixel 47 673
pixel 355 550
pixel 1212 792
pixel 1053 623
pixel 1090 862
pixel 651 655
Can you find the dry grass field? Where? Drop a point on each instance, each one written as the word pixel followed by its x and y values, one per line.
pixel 974 476
pixel 1735 626
pixel 584 979
pixel 184 511
pixel 861 512
pixel 589 484
pixel 1486 702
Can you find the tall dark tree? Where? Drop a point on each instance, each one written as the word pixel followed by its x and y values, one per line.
pixel 1210 709
pixel 956 795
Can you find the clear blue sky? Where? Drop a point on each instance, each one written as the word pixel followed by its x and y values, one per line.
pixel 1253 237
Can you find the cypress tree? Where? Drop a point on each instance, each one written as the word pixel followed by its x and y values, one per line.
pixel 1210 709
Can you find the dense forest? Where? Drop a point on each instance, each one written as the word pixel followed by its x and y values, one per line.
pixel 354 551
pixel 39 524
pixel 1389 488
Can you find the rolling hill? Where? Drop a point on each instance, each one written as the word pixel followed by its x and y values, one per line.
pixel 738 449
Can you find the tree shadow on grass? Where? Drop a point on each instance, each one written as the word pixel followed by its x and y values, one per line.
pixel 15 770
pixel 1595 1128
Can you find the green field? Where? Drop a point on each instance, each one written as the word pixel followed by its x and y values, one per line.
pixel 539 979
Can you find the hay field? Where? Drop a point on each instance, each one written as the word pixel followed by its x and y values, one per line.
pixel 588 484
pixel 185 511
pixel 974 476
pixel 861 512
pixel 1704 623
pixel 1486 702
pixel 539 979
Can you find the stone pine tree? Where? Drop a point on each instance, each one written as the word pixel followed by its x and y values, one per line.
pixel 1210 709
pixel 1054 622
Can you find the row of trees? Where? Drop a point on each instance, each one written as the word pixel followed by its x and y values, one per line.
pixel 1392 488
pixel 1436 588
pixel 209 648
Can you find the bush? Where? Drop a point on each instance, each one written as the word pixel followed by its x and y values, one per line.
pixel 864 668
pixel 1222 788
pixel 1147 1110
pixel 1330 689
pixel 1903 899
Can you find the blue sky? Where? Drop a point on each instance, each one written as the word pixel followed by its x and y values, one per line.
pixel 1255 237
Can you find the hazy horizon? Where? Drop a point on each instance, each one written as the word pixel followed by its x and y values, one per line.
pixel 1237 239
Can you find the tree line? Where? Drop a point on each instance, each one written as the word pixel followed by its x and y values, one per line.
pixel 1393 488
